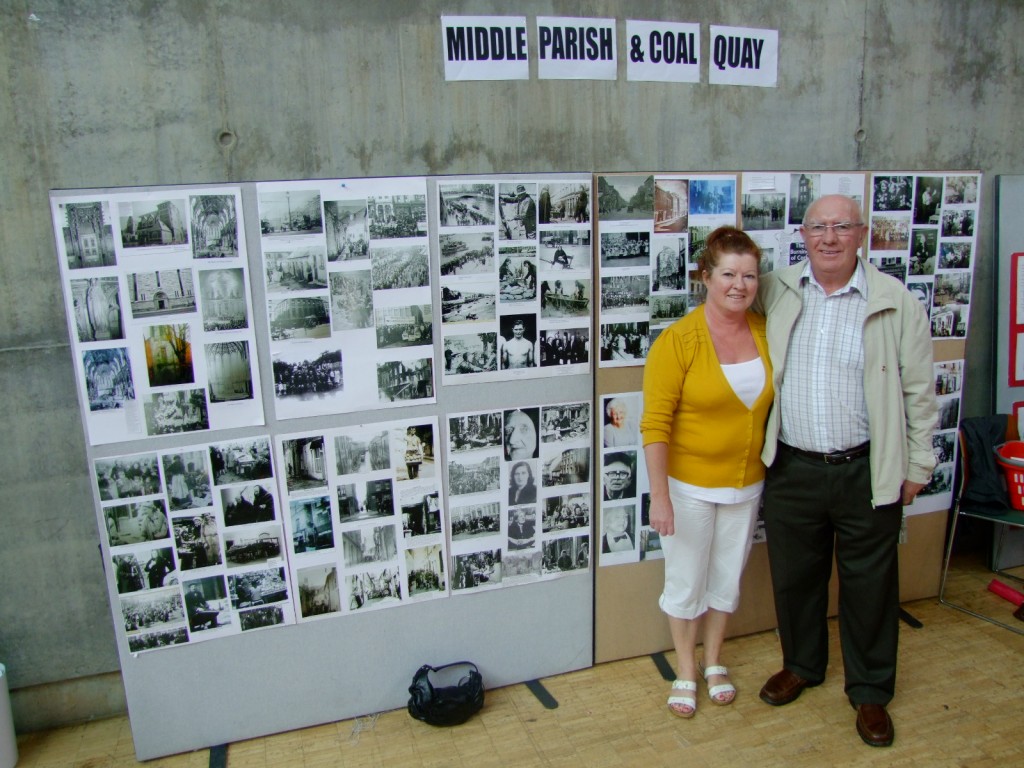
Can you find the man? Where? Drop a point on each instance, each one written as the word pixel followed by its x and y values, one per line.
pixel 618 477
pixel 517 352
pixel 616 536
pixel 848 442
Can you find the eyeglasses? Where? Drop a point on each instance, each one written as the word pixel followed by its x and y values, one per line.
pixel 842 228
pixel 617 473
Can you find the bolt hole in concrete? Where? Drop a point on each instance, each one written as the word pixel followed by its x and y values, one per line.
pixel 860 135
pixel 226 139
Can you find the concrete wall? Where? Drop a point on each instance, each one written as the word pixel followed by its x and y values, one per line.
pixel 99 93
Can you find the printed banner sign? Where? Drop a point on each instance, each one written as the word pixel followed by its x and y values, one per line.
pixel 662 51
pixel 576 49
pixel 485 48
pixel 743 56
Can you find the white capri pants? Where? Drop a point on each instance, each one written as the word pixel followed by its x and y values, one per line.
pixel 705 557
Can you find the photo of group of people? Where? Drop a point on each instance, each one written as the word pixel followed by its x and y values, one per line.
pixel 347 275
pixel 157 296
pixel 515 274
pixel 518 481
pixel 651 231
pixel 365 521
pixel 922 232
pixel 195 542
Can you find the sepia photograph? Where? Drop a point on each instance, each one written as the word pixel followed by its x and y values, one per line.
pixel 961 190
pixel 214 227
pixel 671 205
pixel 622 198
pixel 168 354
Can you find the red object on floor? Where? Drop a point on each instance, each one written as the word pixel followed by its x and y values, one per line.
pixel 1007 593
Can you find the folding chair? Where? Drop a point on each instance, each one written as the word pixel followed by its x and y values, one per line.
pixel 985 434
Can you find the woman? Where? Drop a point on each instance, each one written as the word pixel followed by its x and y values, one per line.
pixel 707 392
pixel 521 488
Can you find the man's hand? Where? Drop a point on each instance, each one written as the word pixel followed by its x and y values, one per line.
pixel 910 491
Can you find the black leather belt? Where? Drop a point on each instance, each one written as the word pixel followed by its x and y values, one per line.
pixel 836 457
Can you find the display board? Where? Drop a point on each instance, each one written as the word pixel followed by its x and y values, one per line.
pixel 650 228
pixel 296 565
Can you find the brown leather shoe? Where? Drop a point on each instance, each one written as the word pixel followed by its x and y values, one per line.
pixel 874 725
pixel 784 687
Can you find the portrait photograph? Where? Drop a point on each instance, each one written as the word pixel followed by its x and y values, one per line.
pixel 413 452
pixel 520 433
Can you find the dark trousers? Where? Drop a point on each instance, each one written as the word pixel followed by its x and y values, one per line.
pixel 810 510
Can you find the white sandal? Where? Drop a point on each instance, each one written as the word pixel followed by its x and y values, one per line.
pixel 728 690
pixel 683 706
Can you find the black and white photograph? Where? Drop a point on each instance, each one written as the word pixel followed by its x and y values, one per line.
pixel 391 216
pixel 223 293
pixel 618 528
pixel 961 190
pixel 351 300
pixel 471 474
pixel 625 294
pixel 252 546
pixel 567 467
pixel 108 378
pixel 304 463
pixel 475 431
pixel 128 574
pixel 424 567
pixel 625 249
pixel 97 309
pixel 669 308
pixel 763 211
pixel 352 504
pixel 564 249
pixel 207 603
pixel 949 321
pixel 521 433
pixel 671 205
pixel 566 422
pixel 379 497
pixel 522 528
pixel 625 198
pixel 619 475
pixel 943 444
pixel 473 520
pixel 399 380
pixel 214 227
pixel 158 567
pixel 713 197
pixel 958 223
pixel 565 346
pixel 300 317
pixel 941 481
pixel 669 269
pixel 470 353
pixel 312 526
pixel 258 588
pixel 153 640
pixel 399 267
pixel 172 412
pixel 229 371
pixel 372 589
pixel 563 513
pixel 197 541
pixel 952 288
pixel 477 569
pixel 565 297
pixel 136 523
pixel 319 593
pixel 518 341
pixel 522 483
pixel 466 204
pixel 955 255
pixel 623 342
pixel 247 504
pixel 169 354
pixel 167 292
pixel 290 213
pixel 949 413
pixel 362 449
pixel 403 326
pixel 346 230
pixel 158 609
pixel 128 477
pixel 890 233
pixel 517 279
pixel 187 479
pixel 306 372
pixel 922 251
pixel 568 553
pixel 241 461
pixel 413 452
pixel 260 617
pixel 88 234
pixel 922 290
pixel 471 253
pixel 151 224
pixel 620 424
pixel 420 506
pixel 804 188
pixel 893 265
pixel 892 193
pixel 517 207
pixel 564 202
pixel 927 199
pixel 468 301
pixel 300 268
pixel 369 545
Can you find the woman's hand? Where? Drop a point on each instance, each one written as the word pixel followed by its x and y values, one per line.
pixel 662 516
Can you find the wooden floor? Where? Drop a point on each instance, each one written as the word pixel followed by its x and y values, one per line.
pixel 959 702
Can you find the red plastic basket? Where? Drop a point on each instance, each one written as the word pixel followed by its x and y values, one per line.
pixel 1010 458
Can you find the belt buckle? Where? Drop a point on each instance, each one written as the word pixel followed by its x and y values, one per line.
pixel 833 459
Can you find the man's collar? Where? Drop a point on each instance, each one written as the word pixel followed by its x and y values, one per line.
pixel 857 282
